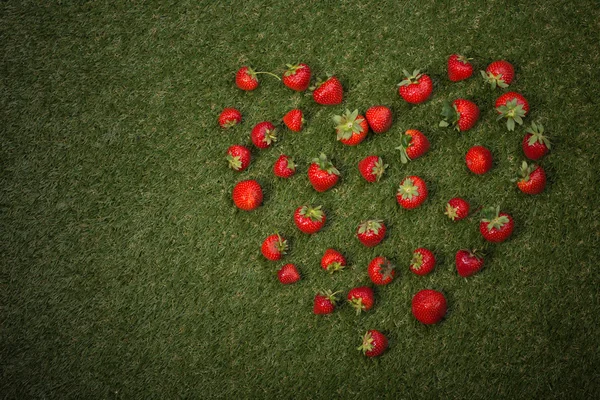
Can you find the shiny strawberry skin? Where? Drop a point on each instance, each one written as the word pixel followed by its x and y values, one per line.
pixel 468 263
pixel 469 114
pixel 423 261
pixel 371 168
pixel 374 343
pixel 306 223
pixel 535 183
pixel 247 195
pixel 497 235
pixel 429 306
pixel 457 209
pixel 533 151
pixel 323 305
pixel 297 77
pixel 479 160
pixel 412 200
pixel 229 117
pixel 288 274
pixel 332 260
pixel 329 92
pixel 459 68
pixel 508 96
pixel 371 237
pixel 294 120
pixel 381 271
pixel 503 70
pixel 238 157
pixel 419 144
pixel 417 93
pixel 263 134
pixel 284 167
pixel 274 247
pixel 379 118
pixel 245 79
pixel 362 298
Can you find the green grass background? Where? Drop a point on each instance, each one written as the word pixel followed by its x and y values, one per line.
pixel 126 271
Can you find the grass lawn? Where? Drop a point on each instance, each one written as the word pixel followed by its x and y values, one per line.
pixel 126 271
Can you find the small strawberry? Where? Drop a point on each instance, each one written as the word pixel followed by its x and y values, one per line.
pixel 381 271
pixel 371 232
pixel 413 144
pixel 461 114
pixel 459 68
pixel 297 77
pixel 361 298
pixel 429 306
pixel 333 261
pixel 351 128
pixel 374 343
pixel 294 120
pixel 372 168
pixel 495 226
pixel 379 118
pixel 412 192
pixel 263 134
pixel 499 73
pixel 288 274
pixel 324 302
pixel 247 195
pixel 422 261
pixel 457 209
pixel 274 247
pixel 322 174
pixel 468 262
pixel 415 88
pixel 309 219
pixel 284 167
pixel 532 179
pixel 535 144
pixel 479 160
pixel 246 78
pixel 229 117
pixel 238 157
pixel 329 92
pixel 512 106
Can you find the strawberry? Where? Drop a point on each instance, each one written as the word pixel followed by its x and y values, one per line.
pixel 379 118
pixel 324 302
pixel 429 306
pixel 294 120
pixel 322 174
pixel 374 343
pixel 381 271
pixel 457 209
pixel 371 232
pixel 499 73
pixel 238 157
pixel 309 219
pixel 512 106
pixel 351 128
pixel 329 92
pixel 297 77
pixel 263 134
pixel 413 144
pixel 274 247
pixel 412 192
pixel 533 179
pixel 245 78
pixel 479 160
pixel 288 274
pixel 361 298
pixel 461 114
pixel 415 88
pixel 468 262
pixel 333 261
pixel 372 168
pixel 247 195
pixel 495 226
pixel 422 261
pixel 535 144
pixel 284 167
pixel 229 117
pixel 459 68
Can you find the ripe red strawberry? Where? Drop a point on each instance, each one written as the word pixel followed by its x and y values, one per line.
pixel 329 92
pixel 229 117
pixel 422 262
pixel 263 134
pixel 495 226
pixel 309 219
pixel 457 209
pixel 361 298
pixel 247 195
pixel 499 73
pixel 288 274
pixel 294 120
pixel 372 168
pixel 322 174
pixel 461 114
pixel 459 68
pixel 512 106
pixel 381 271
pixel 325 302
pixel 429 306
pixel 415 88
pixel 284 167
pixel 297 77
pixel 535 144
pixel 374 343
pixel 479 160
pixel 412 192
pixel 246 79
pixel 274 247
pixel 533 179
pixel 468 262
pixel 351 128
pixel 379 118
pixel 371 232
pixel 238 157
pixel 413 144
pixel 333 261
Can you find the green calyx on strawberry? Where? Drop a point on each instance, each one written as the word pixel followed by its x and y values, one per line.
pixel 450 116
pixel 410 79
pixel 404 143
pixel 325 165
pixel 347 124
pixel 235 162
pixel 373 225
pixel 378 169
pixel 408 190
pixel 491 216
pixel 417 261
pixel 494 80
pixel 314 213
pixel 513 112
pixel 537 135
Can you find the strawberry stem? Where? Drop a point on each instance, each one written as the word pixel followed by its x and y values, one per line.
pixel 268 73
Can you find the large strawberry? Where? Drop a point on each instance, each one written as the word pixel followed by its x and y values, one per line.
pixel 371 232
pixel 499 73
pixel 423 261
pixel 246 78
pixel 479 160
pixel 294 120
pixel 415 88
pixel 512 106
pixel 413 144
pixel 274 247
pixel 374 343
pixel 372 168
pixel 468 262
pixel 329 92
pixel 379 118
pixel 459 68
pixel 322 174
pixel 263 134
pixel 532 178
pixel 247 195
pixel 457 209
pixel 284 167
pixel 361 298
pixel 324 302
pixel 238 157
pixel 535 144
pixel 351 127
pixel 412 192
pixel 429 306
pixel 229 117
pixel 309 219
pixel 297 77
pixel 332 261
pixel 381 271
pixel 288 274
pixel 462 114
pixel 495 226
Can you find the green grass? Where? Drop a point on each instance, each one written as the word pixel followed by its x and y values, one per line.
pixel 126 272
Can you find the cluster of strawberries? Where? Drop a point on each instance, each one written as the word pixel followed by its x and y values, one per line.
pixel 428 306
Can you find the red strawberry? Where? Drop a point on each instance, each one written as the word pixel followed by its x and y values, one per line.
pixel 372 168
pixel 333 261
pixel 499 73
pixel 238 157
pixel 284 167
pixel 263 134
pixel 229 117
pixel 247 195
pixel 468 262
pixel 288 274
pixel 245 79
pixel 429 306
pixel 512 106
pixel 533 179
pixel 459 68
pixel 461 114
pixel 351 128
pixel 495 226
pixel 415 88
pixel 274 247
pixel 535 144
pixel 297 77
pixel 479 160
pixel 422 262
pixel 309 219
pixel 374 343
pixel 361 298
pixel 379 118
pixel 412 192
pixel 322 174
pixel 413 144
pixel 371 232
pixel 381 271
pixel 294 120
pixel 329 92
pixel 324 302
pixel 457 209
